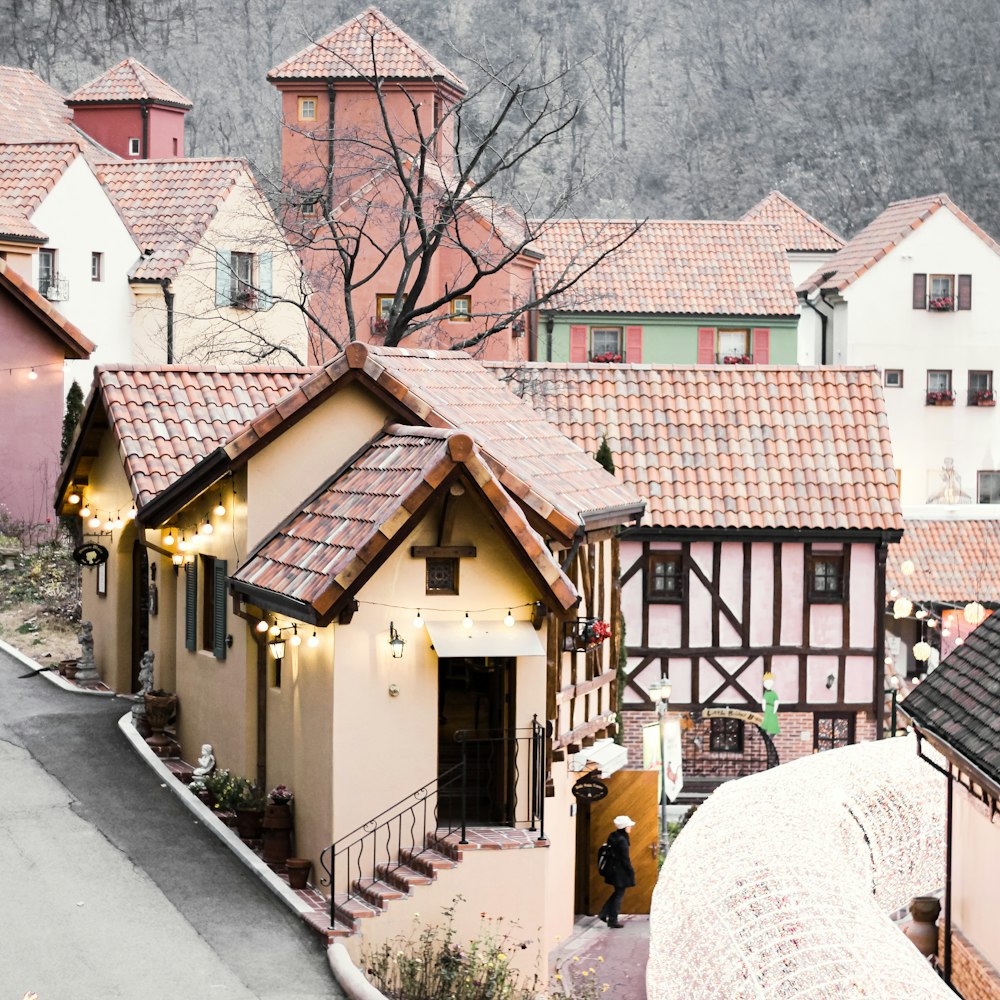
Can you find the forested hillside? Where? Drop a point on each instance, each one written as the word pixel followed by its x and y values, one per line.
pixel 692 108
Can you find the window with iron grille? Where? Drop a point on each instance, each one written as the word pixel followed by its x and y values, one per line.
pixel 825 577
pixel 442 576
pixel 666 580
pixel 726 736
pixel 832 730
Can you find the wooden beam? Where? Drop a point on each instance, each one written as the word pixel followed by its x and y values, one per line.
pixel 585 687
pixel 574 736
pixel 443 551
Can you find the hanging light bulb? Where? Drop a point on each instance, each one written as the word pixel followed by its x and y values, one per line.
pixel 220 508
pixel 509 620
pixel 33 375
pixel 921 613
pixel 74 498
pixel 974 613
pixel 467 622
pixel 888 661
pixel 932 623
pixel 418 622
pixel 906 567
pixel 109 524
pixel 119 523
pixel 946 631
pixel 893 594
pixel 182 545
pixel 206 528
pixel 132 513
pixel 922 651
pixel 275 629
pixel 168 538
pixel 959 641
pixel 84 511
pixel 262 626
pixel 313 641
pixel 94 522
pixel 296 639
pixel 901 608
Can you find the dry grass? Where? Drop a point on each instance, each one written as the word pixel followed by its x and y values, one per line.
pixel 43 636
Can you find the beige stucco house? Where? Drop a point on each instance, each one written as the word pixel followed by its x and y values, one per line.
pixel 388 495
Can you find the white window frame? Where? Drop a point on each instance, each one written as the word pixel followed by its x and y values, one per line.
pixel 598 333
pixel 134 146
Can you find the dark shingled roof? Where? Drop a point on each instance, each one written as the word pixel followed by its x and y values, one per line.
pixel 959 703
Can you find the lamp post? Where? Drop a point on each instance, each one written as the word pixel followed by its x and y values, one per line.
pixel 893 692
pixel 660 693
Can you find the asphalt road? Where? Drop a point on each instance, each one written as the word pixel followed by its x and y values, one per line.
pixel 109 888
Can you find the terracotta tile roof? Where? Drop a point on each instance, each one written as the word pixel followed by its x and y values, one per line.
pixel 128 81
pixel 879 237
pixel 14 224
pixel 690 268
pixel 799 230
pixel 533 461
pixel 725 447
pixel 167 420
pixel 959 702
pixel 29 171
pixel 323 550
pixel 346 54
pixel 75 344
pixel 168 204
pixel 954 561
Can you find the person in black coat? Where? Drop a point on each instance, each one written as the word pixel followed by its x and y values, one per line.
pixel 618 872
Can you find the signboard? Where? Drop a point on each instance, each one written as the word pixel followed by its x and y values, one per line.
pixel 590 787
pixel 670 751
pixel 90 554
pixel 733 713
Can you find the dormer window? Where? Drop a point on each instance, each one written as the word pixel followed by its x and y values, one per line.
pixel 133 147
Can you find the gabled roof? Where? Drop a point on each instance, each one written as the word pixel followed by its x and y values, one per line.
pixel 958 704
pixel 75 344
pixel 882 235
pixel 954 561
pixel 366 46
pixel 731 447
pixel 681 268
pixel 14 225
pixel 799 230
pixel 126 83
pixel 365 510
pixel 168 204
pixel 29 171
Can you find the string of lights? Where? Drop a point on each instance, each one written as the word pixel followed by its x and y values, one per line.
pixel 32 370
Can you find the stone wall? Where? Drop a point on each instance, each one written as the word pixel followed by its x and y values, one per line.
pixel 971 975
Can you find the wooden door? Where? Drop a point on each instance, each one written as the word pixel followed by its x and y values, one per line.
pixel 630 793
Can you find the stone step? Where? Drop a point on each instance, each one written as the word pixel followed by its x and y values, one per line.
pixel 350 909
pixel 319 922
pixel 378 892
pixel 403 877
pixel 426 860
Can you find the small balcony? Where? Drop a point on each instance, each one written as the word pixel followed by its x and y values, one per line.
pixel 730 358
pixel 982 397
pixel 940 397
pixel 54 288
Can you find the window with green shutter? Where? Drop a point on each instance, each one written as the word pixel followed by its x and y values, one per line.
pixel 191 606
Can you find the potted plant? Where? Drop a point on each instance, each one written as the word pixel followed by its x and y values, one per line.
pixel 277 825
pixel 298 872
pixel 220 787
pixel 737 359
pixel 943 303
pixel 608 358
pixel 984 397
pixel 161 707
pixel 248 803
pixel 940 397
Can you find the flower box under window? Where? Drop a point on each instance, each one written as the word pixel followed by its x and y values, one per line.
pixel 581 634
pixel 738 359
pixel 982 397
pixel 607 358
pixel 940 397
pixel 943 303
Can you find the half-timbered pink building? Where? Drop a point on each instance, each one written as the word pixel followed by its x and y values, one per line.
pixel 771 503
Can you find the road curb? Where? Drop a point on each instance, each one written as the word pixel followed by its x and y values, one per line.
pixel 49 672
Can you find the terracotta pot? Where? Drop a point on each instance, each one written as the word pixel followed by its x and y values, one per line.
pixel 923 932
pixel 64 665
pixel 248 823
pixel 298 872
pixel 69 671
pixel 160 710
pixel 277 833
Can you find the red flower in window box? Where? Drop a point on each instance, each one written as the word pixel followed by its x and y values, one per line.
pixel 380 326
pixel 737 359
pixel 943 303
pixel 609 358
pixel 984 397
pixel 940 397
pixel 596 632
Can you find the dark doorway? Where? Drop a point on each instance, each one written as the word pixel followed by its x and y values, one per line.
pixel 475 724
pixel 140 608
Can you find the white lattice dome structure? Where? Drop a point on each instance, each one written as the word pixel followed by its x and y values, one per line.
pixel 780 886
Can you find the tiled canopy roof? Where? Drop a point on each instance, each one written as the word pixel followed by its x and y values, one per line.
pixel 347 54
pixel 168 204
pixel 954 561
pixel 799 230
pixel 731 447
pixel 959 702
pixel 167 420
pixel 74 343
pixel 14 225
pixel 29 171
pixel 881 236
pixel 321 551
pixel 689 268
pixel 126 82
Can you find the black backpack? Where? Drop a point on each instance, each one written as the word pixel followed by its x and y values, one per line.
pixel 604 858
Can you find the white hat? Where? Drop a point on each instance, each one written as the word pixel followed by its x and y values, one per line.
pixel 623 821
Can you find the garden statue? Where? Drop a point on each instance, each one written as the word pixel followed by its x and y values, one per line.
pixel 206 762
pixel 86 671
pixel 145 685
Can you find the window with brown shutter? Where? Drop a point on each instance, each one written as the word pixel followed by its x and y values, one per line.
pixel 965 291
pixel 920 291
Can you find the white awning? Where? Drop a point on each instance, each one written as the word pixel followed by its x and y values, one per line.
pixel 486 638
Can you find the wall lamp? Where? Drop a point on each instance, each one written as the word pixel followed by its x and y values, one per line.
pixel 396 642
pixel 277 647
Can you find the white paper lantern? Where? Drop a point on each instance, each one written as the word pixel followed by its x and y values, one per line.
pixel 974 613
pixel 901 608
pixel 922 651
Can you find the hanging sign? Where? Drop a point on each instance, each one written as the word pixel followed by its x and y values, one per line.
pixel 756 718
pixel 590 787
pixel 90 554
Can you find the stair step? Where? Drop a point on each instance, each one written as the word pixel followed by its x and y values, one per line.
pixel 378 892
pixel 353 908
pixel 426 860
pixel 403 877
pixel 319 921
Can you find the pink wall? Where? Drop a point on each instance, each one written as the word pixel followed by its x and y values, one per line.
pixel 30 413
pixel 112 125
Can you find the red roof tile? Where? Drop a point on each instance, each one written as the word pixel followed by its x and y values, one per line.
pixel 724 447
pixel 75 344
pixel 128 81
pixel 799 230
pixel 953 561
pixel 168 204
pixel 690 268
pixel 29 171
pixel 320 551
pixel 14 225
pixel 347 54
pixel 881 235
pixel 166 420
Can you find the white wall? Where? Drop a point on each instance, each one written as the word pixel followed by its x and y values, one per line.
pixel 887 332
pixel 79 218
